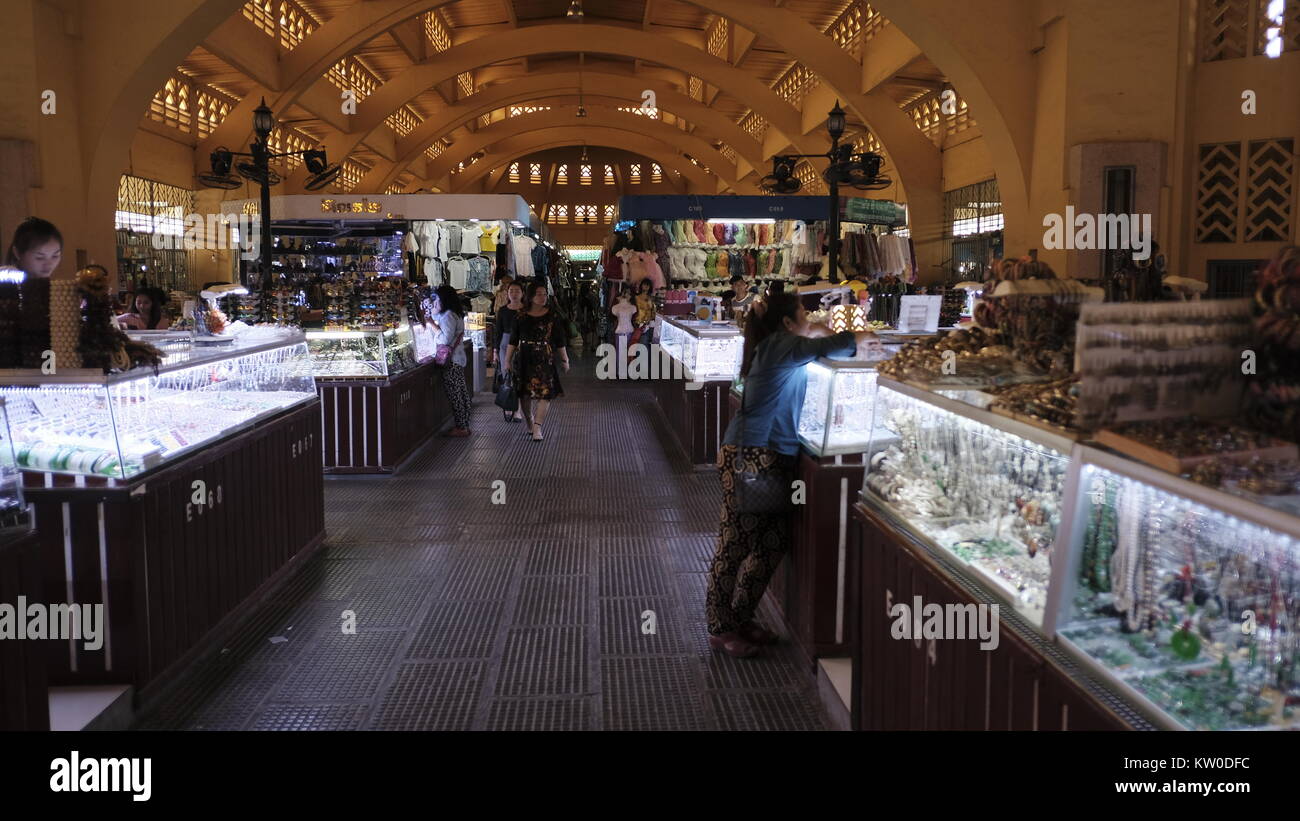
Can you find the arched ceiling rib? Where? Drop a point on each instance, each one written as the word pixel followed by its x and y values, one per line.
pixel 543 39
pixel 569 136
pixel 673 140
pixel 708 121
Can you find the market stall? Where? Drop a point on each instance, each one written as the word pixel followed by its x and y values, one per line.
pixel 1143 562
pixel 173 495
pixel 351 272
pixel 692 380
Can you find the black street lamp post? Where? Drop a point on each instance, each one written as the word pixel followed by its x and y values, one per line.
pixel 861 171
pixel 259 171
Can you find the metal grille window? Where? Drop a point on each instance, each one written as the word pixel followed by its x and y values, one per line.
pixel 634 173
pixel 717 38
pixel 435 149
pixel 1277 27
pixel 171 105
pixel 656 173
pixel 465 81
pixel 351 174
pixel 513 173
pixel 754 125
pixel 436 32
pixel 727 151
pixel 262 14
pixel 609 175
pixel 350 74
pixel 609 214
pixel 584 213
pixel 809 178
pixel 795 84
pixel 558 214
pixel 395 188
pixel 286 138
pixel 652 114
pixel 211 107
pixel 147 207
pixel 403 121
pixel 696 88
pixel 973 219
pixel 535 173
pixel 584 174
pixel 562 174
pixel 295 25
pixel 518 110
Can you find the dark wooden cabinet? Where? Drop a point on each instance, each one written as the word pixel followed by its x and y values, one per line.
pixel 698 417
pixel 177 555
pixel 812 588
pixel 374 426
pixel 24 697
pixel 953 684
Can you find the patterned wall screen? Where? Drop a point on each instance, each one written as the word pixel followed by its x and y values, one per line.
pixel 1246 195
pixel 1216 193
pixel 1271 173
pixel 1223 29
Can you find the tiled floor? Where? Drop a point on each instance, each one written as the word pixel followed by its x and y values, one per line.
pixel 526 615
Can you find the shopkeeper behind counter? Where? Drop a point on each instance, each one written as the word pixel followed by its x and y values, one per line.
pixel 37 248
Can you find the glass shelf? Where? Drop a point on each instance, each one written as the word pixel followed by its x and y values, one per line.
pixel 708 351
pixel 122 425
pixel 368 354
pixel 983 490
pixel 1184 597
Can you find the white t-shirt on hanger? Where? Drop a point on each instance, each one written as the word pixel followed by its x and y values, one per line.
pixel 457 269
pixel 469 237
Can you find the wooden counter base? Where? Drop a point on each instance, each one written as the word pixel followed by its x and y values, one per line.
pixel 170 572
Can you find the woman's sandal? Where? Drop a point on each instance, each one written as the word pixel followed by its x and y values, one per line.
pixel 751 631
pixel 733 644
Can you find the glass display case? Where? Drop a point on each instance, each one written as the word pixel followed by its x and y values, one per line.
pixel 982 489
pixel 86 423
pixel 15 516
pixel 1191 610
pixel 707 350
pixel 367 354
pixel 838 406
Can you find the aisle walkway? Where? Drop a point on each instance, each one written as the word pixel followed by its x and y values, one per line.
pixel 522 616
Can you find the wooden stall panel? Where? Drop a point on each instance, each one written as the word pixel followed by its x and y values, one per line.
pixel 24 701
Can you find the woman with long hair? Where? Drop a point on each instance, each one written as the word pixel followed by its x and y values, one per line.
pixel 504 327
pixel 763 439
pixel 37 248
pixel 449 322
pixel 147 311
pixel 540 341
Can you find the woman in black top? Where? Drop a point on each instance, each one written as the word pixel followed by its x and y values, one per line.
pixel 539 341
pixel 503 330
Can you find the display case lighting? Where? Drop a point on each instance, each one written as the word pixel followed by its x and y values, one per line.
pixel 743 221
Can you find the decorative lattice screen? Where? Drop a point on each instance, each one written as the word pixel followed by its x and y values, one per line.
pixel 1271 172
pixel 1219 180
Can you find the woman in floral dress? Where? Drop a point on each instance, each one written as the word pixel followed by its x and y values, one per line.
pixel 539 340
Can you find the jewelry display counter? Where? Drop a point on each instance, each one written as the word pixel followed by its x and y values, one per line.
pixel 24 697
pixel 172 498
pixel 381 396
pixel 918 683
pixel 1186 598
pixel 978 487
pixel 693 379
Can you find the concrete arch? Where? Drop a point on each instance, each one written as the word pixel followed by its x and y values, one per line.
pixel 440 168
pixel 543 39
pixel 675 139
pixel 708 122
pixel 969 43
pixel 529 142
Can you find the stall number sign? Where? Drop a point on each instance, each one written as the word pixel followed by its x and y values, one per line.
pixel 919 314
pixel 365 206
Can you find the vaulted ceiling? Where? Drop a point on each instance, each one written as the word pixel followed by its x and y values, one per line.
pixel 448 93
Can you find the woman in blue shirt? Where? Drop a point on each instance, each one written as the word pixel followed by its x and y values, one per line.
pixel 762 438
